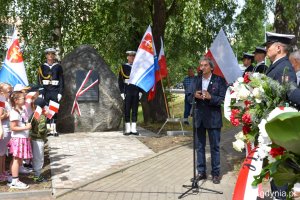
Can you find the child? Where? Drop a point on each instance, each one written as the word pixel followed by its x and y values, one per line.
pixel 38 135
pixel 5 90
pixel 20 146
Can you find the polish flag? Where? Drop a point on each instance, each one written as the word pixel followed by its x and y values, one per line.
pixel 37 113
pixel 53 106
pixel 29 97
pixel 2 101
pixel 161 72
pixel 226 64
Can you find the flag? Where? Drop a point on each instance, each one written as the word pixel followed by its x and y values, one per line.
pixel 37 113
pixel 2 101
pixel 161 72
pixel 143 68
pixel 53 106
pixel 29 97
pixel 13 69
pixel 50 114
pixel 226 64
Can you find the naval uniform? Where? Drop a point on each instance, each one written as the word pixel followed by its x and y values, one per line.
pixel 52 80
pixel 260 67
pixel 131 93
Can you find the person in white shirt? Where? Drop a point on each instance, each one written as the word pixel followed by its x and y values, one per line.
pixel 19 144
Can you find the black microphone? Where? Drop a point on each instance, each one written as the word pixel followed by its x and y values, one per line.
pixel 200 72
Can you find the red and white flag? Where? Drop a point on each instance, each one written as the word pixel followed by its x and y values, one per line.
pixel 162 71
pixel 37 113
pixel 2 101
pixel 29 97
pixel 226 64
pixel 53 106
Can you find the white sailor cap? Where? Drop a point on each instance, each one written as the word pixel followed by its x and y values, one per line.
pixel 50 50
pixel 248 56
pixel 19 87
pixel 131 53
pixel 278 37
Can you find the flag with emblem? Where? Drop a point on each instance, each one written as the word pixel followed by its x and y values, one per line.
pixel 160 72
pixel 143 68
pixel 13 69
pixel 2 101
pixel 37 113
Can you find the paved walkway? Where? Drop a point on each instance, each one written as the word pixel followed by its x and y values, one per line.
pixel 110 166
pixel 161 177
pixel 80 157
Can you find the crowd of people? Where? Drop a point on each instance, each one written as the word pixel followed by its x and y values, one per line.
pixel 23 130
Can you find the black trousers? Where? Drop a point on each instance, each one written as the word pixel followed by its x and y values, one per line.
pixel 131 106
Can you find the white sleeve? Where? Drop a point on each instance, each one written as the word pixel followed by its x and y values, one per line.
pixel 14 115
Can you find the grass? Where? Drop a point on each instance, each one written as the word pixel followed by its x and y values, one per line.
pixel 176 110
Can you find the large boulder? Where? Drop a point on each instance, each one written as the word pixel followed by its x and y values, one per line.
pixel 102 115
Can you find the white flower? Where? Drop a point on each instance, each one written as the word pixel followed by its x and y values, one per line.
pixel 271 159
pixel 243 93
pixel 240 80
pixel 240 136
pixel 238 145
pixel 263 151
pixel 262 128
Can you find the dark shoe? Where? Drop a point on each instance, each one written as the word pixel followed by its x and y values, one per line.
pixel 126 134
pixel 186 123
pixel 201 176
pixel 55 134
pixel 136 133
pixel 216 179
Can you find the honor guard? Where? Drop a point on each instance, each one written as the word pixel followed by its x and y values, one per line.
pixel 247 62
pixel 50 76
pixel 259 57
pixel 130 94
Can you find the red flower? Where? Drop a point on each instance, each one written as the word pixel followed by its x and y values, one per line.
pixel 246 129
pixel 234 121
pixel 277 151
pixel 247 103
pixel 246 118
pixel 246 78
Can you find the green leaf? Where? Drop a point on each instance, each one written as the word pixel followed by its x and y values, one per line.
pixel 284 130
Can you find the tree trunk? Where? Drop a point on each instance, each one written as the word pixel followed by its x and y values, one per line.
pixel 280 22
pixel 155 110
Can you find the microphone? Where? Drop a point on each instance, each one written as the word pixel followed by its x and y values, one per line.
pixel 200 72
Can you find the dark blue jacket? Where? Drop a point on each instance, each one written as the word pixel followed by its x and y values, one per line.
pixel 275 71
pixel 208 112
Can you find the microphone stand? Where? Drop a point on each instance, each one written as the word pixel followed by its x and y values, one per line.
pixel 194 187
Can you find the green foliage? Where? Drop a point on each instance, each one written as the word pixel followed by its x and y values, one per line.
pixel 284 130
pixel 249 27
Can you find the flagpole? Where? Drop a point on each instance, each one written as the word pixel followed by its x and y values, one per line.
pixel 163 89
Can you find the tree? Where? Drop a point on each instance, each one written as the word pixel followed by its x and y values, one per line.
pixel 112 27
pixel 287 18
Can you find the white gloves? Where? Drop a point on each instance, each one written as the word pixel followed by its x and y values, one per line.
pixel 59 97
pixel 140 95
pixel 123 96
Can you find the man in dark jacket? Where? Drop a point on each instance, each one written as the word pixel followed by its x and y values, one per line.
pixel 247 62
pixel 259 57
pixel 130 94
pixel 281 69
pixel 208 92
pixel 50 76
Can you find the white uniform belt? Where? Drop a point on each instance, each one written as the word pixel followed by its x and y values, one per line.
pixel 48 82
pixel 126 81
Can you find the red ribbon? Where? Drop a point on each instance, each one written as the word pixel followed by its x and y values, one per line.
pixel 81 92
